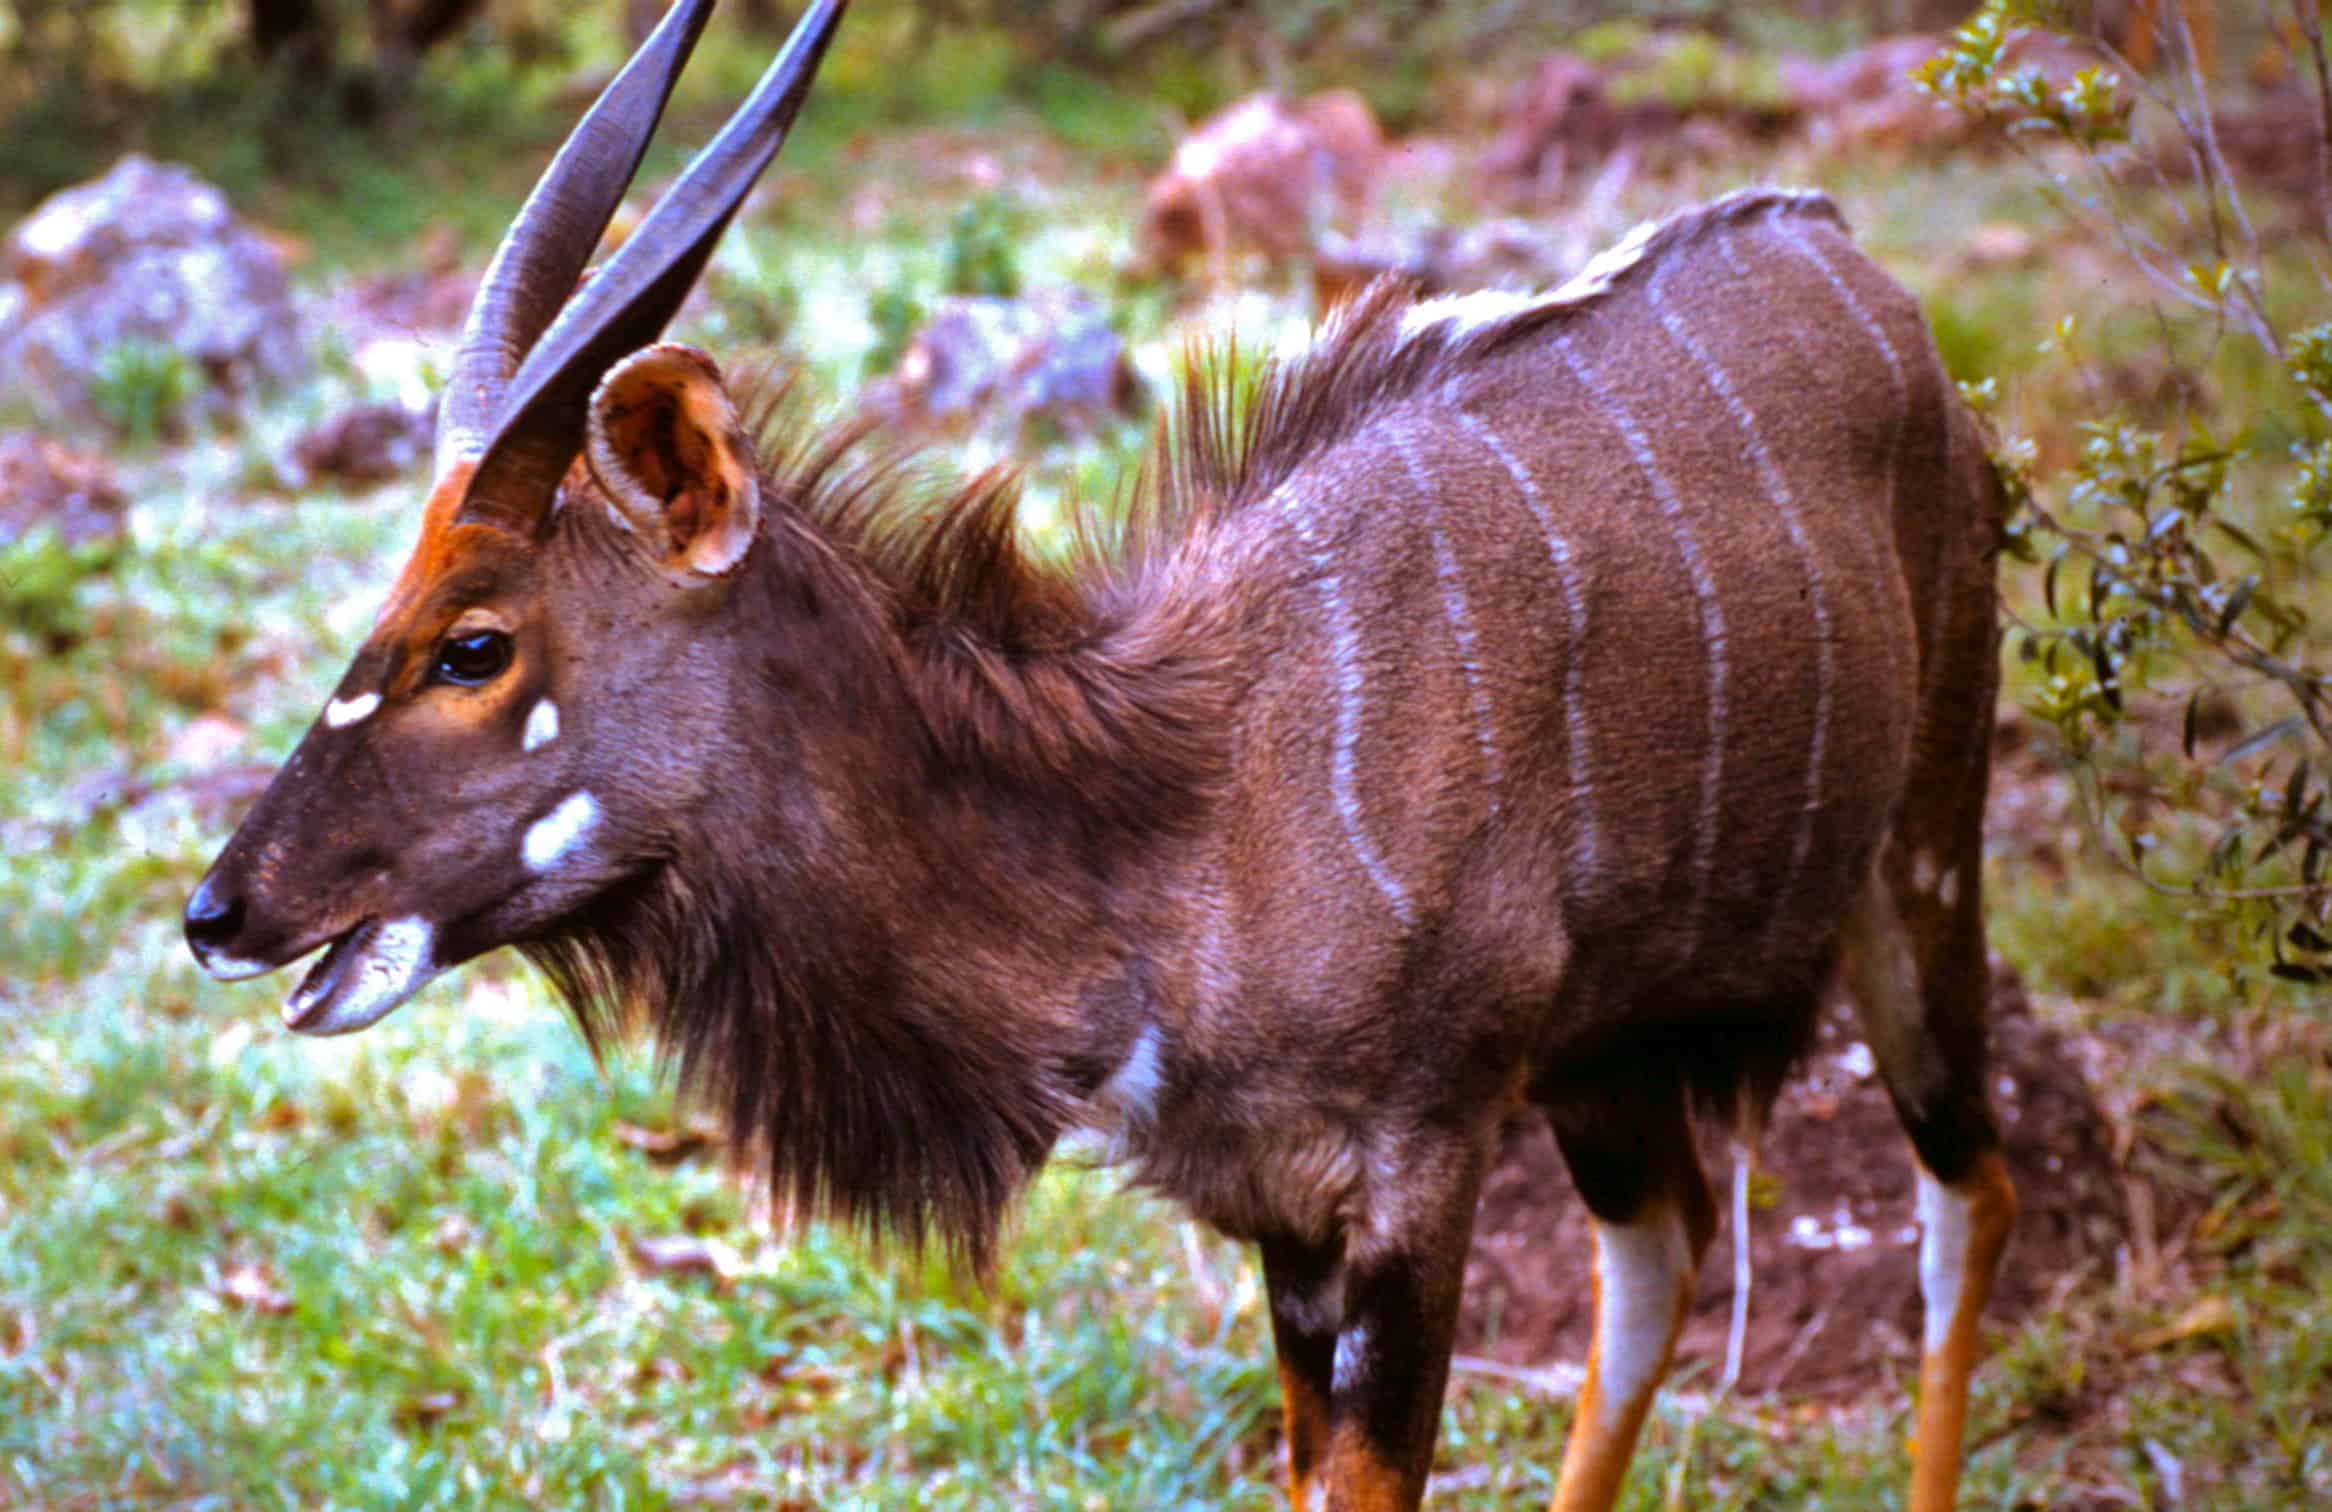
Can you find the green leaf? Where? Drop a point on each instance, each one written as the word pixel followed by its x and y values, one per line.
pixel 2261 738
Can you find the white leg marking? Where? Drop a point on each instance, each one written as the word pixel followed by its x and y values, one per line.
pixel 1461 617
pixel 340 713
pixel 550 838
pixel 1712 626
pixel 1575 712
pixel 1945 1232
pixel 1778 494
pixel 1744 1275
pixel 542 726
pixel 1318 1312
pixel 1640 1271
pixel 1351 1357
pixel 1132 1089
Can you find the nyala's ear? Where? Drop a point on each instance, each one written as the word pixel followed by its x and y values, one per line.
pixel 667 448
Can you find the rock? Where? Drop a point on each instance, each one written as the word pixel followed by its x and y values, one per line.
pixel 1051 355
pixel 1866 98
pixel 1264 174
pixel 363 444
pixel 44 482
pixel 147 255
pixel 1555 123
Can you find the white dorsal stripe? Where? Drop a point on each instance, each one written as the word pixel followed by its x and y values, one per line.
pixel 1575 713
pixel 1454 317
pixel 340 713
pixel 1459 612
pixel 542 726
pixel 1712 626
pixel 1778 494
pixel 552 837
pixel 1343 768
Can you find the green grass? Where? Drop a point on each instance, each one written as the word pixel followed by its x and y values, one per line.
pixel 237 1268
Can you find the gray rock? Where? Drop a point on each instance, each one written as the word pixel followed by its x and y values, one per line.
pixel 1050 356
pixel 148 255
pixel 43 482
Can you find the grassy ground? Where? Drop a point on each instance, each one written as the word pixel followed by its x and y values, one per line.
pixel 453 1262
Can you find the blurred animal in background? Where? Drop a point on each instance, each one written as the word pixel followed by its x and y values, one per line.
pixel 1266 175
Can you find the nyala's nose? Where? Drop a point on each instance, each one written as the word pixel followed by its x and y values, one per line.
pixel 213 922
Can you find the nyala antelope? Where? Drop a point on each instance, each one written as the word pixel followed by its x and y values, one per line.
pixel 1513 700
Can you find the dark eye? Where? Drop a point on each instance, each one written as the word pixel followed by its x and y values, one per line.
pixel 468 660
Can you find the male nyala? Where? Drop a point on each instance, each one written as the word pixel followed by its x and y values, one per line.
pixel 1515 698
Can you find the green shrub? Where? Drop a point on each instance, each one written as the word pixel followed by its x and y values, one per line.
pixel 2179 651
pixel 141 390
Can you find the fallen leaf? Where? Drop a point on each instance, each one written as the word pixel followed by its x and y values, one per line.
pixel 687 1255
pixel 253 1287
pixel 452 1234
pixel 2208 1315
pixel 667 1146
pixel 426 1409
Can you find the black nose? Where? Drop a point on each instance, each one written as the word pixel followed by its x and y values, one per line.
pixel 212 922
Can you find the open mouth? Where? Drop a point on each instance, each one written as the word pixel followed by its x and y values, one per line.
pixel 363 974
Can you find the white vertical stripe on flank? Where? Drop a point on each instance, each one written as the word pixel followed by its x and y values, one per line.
pixel 1575 627
pixel 1777 493
pixel 1461 616
pixel 1712 625
pixel 1898 380
pixel 1343 769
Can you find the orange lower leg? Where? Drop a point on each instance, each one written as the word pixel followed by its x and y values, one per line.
pixel 1965 1230
pixel 1305 1413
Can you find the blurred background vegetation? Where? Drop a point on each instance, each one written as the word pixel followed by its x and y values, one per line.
pixel 453 1262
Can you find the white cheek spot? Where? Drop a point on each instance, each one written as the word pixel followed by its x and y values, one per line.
pixel 1351 1357
pixel 542 726
pixel 550 838
pixel 1923 871
pixel 1946 1230
pixel 1947 891
pixel 1133 1088
pixel 340 713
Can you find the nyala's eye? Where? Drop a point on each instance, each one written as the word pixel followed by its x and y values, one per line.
pixel 468 660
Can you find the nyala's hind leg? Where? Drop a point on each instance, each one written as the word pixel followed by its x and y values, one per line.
pixel 1920 990
pixel 1629 1149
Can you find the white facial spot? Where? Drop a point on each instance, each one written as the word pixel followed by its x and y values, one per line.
pixel 1947 891
pixel 229 969
pixel 340 713
pixel 1133 1088
pixel 550 838
pixel 1351 1357
pixel 1641 1271
pixel 542 726
pixel 1945 1232
pixel 1923 871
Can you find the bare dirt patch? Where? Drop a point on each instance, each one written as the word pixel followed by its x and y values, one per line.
pixel 1835 1302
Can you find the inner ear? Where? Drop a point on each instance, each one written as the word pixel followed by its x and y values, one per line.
pixel 666 447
